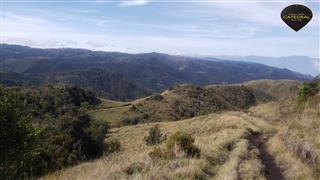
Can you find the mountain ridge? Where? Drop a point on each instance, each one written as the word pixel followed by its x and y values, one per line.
pixel 147 72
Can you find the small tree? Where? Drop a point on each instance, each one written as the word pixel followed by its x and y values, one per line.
pixel 155 136
pixel 17 139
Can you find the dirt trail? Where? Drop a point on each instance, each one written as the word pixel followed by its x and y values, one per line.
pixel 113 107
pixel 272 171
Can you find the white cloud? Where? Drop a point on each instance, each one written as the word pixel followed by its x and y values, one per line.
pixel 261 13
pixel 16 23
pixel 133 3
pixel 219 28
pixel 168 44
pixel 103 23
pixel 267 14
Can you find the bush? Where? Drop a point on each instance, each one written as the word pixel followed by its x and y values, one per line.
pixel 112 146
pixel 308 90
pixel 183 141
pixel 98 131
pixel 155 136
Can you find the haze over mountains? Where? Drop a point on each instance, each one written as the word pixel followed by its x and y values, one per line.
pixel 302 64
pixel 124 76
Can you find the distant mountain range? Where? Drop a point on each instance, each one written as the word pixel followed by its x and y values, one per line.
pixel 122 76
pixel 302 64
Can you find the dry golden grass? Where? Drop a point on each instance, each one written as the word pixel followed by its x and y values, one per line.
pixel 292 167
pixel 278 89
pixel 298 136
pixel 221 138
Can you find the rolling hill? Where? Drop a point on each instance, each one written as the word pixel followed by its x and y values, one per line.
pixel 277 139
pixel 186 101
pixel 235 134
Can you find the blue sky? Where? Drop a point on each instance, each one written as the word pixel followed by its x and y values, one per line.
pixel 177 27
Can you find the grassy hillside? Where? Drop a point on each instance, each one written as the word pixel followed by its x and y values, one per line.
pixel 266 90
pixel 300 121
pixel 185 101
pixel 274 140
pixel 229 144
pixel 180 102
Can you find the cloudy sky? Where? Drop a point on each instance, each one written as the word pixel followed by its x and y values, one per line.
pixel 205 27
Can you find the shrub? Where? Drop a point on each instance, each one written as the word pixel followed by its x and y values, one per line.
pixel 112 146
pixel 98 131
pixel 155 136
pixel 183 141
pixel 308 90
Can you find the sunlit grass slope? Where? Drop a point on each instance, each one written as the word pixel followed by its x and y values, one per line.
pixel 222 139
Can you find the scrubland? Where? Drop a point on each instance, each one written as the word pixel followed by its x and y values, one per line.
pixel 278 139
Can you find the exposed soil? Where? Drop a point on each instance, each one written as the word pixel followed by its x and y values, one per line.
pixel 272 171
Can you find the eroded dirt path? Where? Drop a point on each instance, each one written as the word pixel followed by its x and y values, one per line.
pixel 271 169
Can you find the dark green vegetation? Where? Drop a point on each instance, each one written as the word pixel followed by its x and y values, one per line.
pixel 307 90
pixel 17 138
pixel 121 76
pixel 47 128
pixel 186 101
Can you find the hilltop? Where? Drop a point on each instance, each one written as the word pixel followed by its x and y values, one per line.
pixel 186 101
